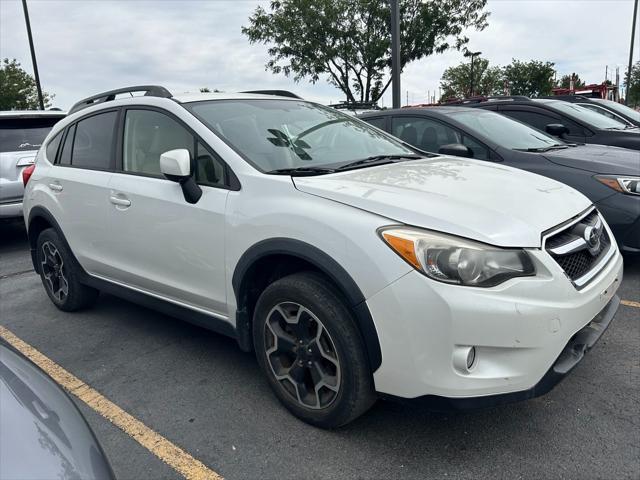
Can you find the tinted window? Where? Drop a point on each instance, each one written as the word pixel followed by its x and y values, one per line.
pixel 65 154
pixel 277 134
pixel 24 134
pixel 618 107
pixel 209 169
pixel 536 120
pixel 603 111
pixel 52 147
pixel 93 142
pixel 480 152
pixel 378 122
pixel 424 133
pixel 147 135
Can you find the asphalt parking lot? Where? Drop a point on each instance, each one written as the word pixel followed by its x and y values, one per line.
pixel 198 390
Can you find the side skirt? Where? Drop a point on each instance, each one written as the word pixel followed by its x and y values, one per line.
pixel 200 319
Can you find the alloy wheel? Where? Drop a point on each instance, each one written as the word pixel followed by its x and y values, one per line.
pixel 302 355
pixel 53 271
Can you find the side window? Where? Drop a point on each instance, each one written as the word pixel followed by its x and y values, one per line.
pixel 52 147
pixel 93 142
pixel 602 111
pixel 65 154
pixel 209 169
pixel 480 152
pixel 424 133
pixel 536 120
pixel 148 134
pixel 378 122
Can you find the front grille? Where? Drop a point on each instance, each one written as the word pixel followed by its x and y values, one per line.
pixel 573 252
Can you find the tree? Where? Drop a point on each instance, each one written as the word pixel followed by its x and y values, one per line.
pixel 533 78
pixel 456 81
pixel 565 81
pixel 208 90
pixel 633 86
pixel 349 41
pixel 18 89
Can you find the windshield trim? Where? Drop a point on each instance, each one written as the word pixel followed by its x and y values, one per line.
pixel 188 106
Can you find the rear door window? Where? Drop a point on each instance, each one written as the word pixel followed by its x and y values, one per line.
pixel 24 134
pixel 93 142
pixel 379 122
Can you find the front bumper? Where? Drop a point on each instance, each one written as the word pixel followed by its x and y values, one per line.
pixel 519 330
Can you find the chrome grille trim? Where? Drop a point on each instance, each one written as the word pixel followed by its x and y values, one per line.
pixel 576 246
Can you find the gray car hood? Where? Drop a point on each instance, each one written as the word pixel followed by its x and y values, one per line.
pixel 598 159
pixel 490 203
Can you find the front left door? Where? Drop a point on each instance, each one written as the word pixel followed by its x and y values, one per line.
pixel 161 244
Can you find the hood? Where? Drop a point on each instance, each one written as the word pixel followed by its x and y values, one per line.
pixel 490 203
pixel 598 159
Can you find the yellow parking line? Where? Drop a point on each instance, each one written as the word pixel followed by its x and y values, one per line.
pixel 629 303
pixel 171 454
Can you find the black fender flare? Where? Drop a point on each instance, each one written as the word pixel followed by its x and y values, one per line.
pixel 327 265
pixel 41 212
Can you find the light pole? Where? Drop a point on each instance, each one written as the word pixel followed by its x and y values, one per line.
pixel 33 54
pixel 395 53
pixel 633 34
pixel 472 55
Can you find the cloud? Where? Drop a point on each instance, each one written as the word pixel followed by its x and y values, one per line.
pixel 84 47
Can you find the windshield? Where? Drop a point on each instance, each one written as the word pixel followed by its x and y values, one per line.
pixel 504 131
pixel 24 134
pixel 587 116
pixel 283 134
pixel 620 108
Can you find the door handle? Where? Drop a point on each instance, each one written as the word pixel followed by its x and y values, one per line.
pixel 119 201
pixel 56 187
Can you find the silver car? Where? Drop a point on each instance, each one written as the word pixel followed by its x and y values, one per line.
pixel 21 134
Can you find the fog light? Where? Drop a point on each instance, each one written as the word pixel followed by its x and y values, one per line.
pixel 471 357
pixel 464 358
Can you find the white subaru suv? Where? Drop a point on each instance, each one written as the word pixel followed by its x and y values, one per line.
pixel 351 263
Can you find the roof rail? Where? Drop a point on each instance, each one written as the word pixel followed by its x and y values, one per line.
pixel 508 97
pixel 150 91
pixel 346 105
pixel 279 93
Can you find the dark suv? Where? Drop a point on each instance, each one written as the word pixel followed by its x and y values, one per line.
pixel 568 121
pixel 608 108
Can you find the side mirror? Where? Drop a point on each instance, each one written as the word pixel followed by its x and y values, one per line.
pixel 456 150
pixel 556 129
pixel 176 166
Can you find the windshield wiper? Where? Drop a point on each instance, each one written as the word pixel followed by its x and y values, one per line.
pixel 544 149
pixel 379 160
pixel 301 171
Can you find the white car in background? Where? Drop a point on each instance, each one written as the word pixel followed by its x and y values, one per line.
pixel 351 263
pixel 21 134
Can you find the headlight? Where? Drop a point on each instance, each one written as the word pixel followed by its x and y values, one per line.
pixel 455 260
pixel 629 185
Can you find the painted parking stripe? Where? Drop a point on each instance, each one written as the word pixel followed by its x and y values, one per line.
pixel 171 454
pixel 629 303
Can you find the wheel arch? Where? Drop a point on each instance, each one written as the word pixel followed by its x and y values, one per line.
pixel 39 220
pixel 289 256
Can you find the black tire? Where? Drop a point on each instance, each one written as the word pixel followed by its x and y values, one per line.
pixel 58 268
pixel 335 351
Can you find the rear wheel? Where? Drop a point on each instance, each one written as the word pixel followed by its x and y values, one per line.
pixel 308 345
pixel 60 274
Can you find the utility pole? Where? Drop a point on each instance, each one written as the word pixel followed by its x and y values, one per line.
pixel 633 34
pixel 33 54
pixel 472 55
pixel 395 53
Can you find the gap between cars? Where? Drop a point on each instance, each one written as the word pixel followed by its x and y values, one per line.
pixel 181 461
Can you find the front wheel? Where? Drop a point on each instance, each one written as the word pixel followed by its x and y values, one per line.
pixel 308 345
pixel 60 275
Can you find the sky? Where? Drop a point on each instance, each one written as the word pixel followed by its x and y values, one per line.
pixel 85 47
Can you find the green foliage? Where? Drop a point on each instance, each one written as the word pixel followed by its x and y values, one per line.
pixel 456 81
pixel 633 86
pixel 349 40
pixel 565 81
pixel 208 90
pixel 533 78
pixel 18 89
